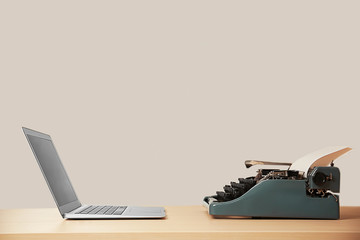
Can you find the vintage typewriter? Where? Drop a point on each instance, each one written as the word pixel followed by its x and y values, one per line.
pixel 305 190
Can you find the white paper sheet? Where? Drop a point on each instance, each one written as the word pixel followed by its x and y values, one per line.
pixel 322 157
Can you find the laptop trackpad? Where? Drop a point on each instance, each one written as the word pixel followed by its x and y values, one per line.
pixel 144 211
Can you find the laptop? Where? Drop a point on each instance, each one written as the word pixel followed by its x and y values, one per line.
pixel 64 193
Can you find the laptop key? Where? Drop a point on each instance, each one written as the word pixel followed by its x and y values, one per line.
pixel 119 211
pixel 97 209
pixel 102 211
pixel 111 210
pixel 80 211
pixel 87 210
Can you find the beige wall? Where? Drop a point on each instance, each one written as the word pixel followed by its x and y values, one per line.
pixel 160 102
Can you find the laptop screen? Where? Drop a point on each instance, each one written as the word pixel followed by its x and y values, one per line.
pixel 52 169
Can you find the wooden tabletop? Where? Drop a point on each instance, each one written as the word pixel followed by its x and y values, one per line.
pixel 182 222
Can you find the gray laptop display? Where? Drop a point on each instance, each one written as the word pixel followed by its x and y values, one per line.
pixel 64 193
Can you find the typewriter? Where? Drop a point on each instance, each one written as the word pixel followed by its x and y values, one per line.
pixel 306 189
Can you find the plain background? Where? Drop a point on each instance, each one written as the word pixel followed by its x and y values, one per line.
pixel 161 102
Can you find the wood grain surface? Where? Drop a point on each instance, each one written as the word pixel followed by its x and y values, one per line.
pixel 182 222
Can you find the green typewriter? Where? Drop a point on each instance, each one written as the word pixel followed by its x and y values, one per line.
pixel 306 189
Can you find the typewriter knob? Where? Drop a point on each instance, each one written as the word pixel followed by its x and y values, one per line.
pixel 319 178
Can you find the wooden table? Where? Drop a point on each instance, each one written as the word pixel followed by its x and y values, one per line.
pixel 182 222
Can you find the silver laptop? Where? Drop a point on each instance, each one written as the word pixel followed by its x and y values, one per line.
pixel 64 193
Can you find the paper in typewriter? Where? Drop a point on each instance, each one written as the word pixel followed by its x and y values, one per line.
pixel 322 157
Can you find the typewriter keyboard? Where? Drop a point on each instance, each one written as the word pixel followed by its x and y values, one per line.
pixel 235 189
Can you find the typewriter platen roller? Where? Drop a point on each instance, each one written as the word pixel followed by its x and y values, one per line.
pixel 306 192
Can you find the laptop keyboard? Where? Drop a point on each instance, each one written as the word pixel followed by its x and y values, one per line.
pixel 103 210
